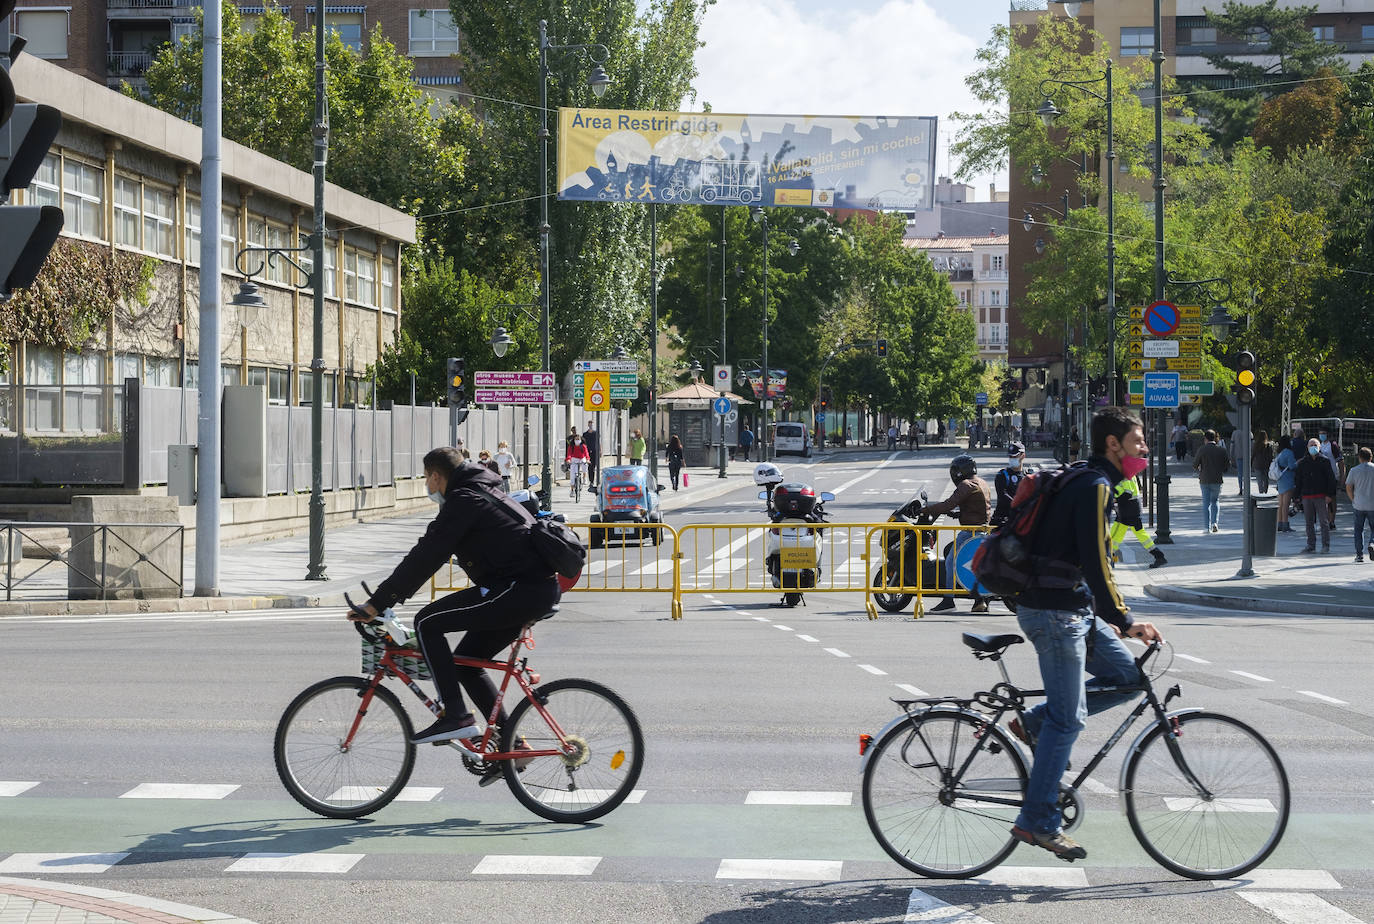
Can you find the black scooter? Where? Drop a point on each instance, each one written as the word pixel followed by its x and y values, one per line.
pixel 907 550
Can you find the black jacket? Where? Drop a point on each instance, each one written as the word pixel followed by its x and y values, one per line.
pixel 1006 483
pixel 493 547
pixel 1314 477
pixel 1074 532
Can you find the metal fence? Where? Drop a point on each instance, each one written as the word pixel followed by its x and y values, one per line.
pixel 104 561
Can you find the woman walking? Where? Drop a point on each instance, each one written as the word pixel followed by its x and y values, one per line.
pixel 505 463
pixel 636 448
pixel 1260 458
pixel 675 458
pixel 1288 464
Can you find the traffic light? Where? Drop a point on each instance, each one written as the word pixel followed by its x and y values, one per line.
pixel 27 130
pixel 457 382
pixel 1246 378
pixel 882 347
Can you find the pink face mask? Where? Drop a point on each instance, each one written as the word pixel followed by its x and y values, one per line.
pixel 1133 465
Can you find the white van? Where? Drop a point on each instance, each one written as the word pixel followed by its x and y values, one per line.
pixel 791 436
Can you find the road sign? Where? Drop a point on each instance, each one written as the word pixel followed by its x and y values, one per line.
pixel 624 386
pixel 1190 364
pixel 1138 331
pixel 606 365
pixel 1159 348
pixel 1186 387
pixel 513 396
pixel 820 417
pixel 598 391
pixel 963 564
pixel 1161 389
pixel 981 398
pixel 1161 318
pixel 1185 312
pixel 1135 364
pixel 512 380
pixel 721 405
pixel 722 376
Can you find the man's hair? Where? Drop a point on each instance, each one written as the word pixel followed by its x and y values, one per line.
pixel 1365 455
pixel 443 460
pixel 1209 435
pixel 1112 421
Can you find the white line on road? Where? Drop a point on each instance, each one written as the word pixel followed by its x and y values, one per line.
pixel 1252 676
pixel 875 671
pixel 15 787
pixel 654 567
pixel 1306 880
pixel 761 618
pixel 1035 876
pixel 1322 596
pixel 60 863
pixel 511 865
pixel 868 473
pixel 294 863
pixel 782 627
pixel 797 797
pixel 1324 698
pixel 1102 789
pixel 914 691
pixel 922 908
pixel 180 791
pixel 836 652
pixel 745 613
pixel 1298 907
pixel 779 869
pixel 806 638
pixel 407 793
pixel 1190 658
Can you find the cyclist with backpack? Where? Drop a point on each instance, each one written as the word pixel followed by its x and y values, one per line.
pixel 512 584
pixel 1056 613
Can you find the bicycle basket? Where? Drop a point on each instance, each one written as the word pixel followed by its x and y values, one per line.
pixel 413 665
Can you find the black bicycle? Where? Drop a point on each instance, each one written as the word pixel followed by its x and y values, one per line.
pixel 1205 794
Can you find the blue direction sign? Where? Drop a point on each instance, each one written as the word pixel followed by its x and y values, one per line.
pixel 820 417
pixel 721 405
pixel 1161 319
pixel 1161 389
pixel 980 398
pixel 963 565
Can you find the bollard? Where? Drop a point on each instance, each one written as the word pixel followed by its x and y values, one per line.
pixel 684 479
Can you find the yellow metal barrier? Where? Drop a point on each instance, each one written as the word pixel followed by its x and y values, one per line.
pixel 715 558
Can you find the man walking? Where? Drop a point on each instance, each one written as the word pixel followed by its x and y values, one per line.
pixel 1180 440
pixel 1315 483
pixel 592 440
pixel 1210 463
pixel 891 437
pixel 1359 487
pixel 746 442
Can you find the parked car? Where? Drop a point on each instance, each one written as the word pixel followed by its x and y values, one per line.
pixel 626 498
pixel 791 436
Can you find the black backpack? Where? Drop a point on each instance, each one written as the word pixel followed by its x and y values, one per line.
pixel 556 543
pixel 1007 562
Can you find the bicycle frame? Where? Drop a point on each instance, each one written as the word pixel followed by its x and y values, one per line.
pixel 513 668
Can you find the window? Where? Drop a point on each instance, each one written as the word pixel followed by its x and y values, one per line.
pixel 127 366
pixel 278 384
pixel 257 375
pixel 192 373
pixel 46 32
pixel 331 282
pixel 348 27
pixel 1256 35
pixel 278 270
pixel 161 371
pixel 193 230
pixel 1324 33
pixel 228 240
pixel 46 186
pixel 228 375
pixel 997 263
pixel 1367 33
pixel 432 32
pixel 83 199
pixel 996 296
pixel 1137 40
pixel 367 279
pixel 351 274
pixel 388 300
pixel 1203 35
pixel 126 211
pixel 159 227
pixel 305 386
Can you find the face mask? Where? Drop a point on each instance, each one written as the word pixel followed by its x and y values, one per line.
pixel 1323 438
pixel 1133 465
pixel 1313 450
pixel 436 497
pixel 577 442
pixel 1014 464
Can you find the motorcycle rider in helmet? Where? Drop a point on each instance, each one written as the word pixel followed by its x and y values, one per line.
pixel 971 499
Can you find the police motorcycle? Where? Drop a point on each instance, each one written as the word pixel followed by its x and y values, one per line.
pixel 767 476
pixel 905 551
pixel 794 549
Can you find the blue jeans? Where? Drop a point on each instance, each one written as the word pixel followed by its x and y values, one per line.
pixel 1363 517
pixel 1211 504
pixel 1060 639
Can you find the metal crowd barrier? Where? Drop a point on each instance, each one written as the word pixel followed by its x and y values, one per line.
pixel 719 558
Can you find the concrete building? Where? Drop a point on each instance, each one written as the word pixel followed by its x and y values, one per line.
pixel 977 272
pixel 113 41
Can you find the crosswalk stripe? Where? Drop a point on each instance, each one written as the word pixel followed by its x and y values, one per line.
pixel 923 908
pixel 60 863
pixel 15 787
pixel 1102 789
pixel 654 567
pixel 180 791
pixel 1298 907
pixel 294 863
pixel 1035 876
pixel 779 869
pixel 836 652
pixel 1287 879
pixel 806 638
pixel 515 865
pixel 407 793
pixel 797 797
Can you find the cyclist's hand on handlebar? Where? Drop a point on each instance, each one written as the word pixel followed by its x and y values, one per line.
pixel 1145 631
pixel 365 614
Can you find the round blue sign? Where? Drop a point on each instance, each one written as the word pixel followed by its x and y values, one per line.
pixel 963 565
pixel 1161 319
pixel 721 405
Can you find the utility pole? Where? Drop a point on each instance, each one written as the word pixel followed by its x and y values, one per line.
pixel 208 386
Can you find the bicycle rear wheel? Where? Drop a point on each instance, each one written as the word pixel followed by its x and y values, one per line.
pixel 925 818
pixel 602 768
pixel 332 779
pixel 1229 826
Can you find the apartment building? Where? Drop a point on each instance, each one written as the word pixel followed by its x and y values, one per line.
pixel 114 41
pixel 977 271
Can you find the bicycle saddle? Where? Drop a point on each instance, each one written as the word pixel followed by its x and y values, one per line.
pixel 991 643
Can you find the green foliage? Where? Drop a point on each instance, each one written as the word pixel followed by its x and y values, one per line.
pixel 76 292
pixel 1303 118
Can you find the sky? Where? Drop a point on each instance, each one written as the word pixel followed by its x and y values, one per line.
pixel 848 57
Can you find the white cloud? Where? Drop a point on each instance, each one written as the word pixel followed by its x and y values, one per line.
pixel 900 58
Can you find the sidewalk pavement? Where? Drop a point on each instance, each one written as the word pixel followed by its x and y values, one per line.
pixel 30 901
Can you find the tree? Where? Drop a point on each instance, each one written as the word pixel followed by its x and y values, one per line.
pixel 1291 53
pixel 1302 118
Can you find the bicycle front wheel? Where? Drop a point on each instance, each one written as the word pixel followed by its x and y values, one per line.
pixel 1213 807
pixel 942 792
pixel 325 770
pixel 601 764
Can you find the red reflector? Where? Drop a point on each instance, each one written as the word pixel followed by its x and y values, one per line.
pixel 864 742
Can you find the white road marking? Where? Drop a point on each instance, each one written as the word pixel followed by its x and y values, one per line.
pixel 797 797
pixel 654 567
pixel 922 908
pixel 1190 658
pixel 180 791
pixel 914 691
pixel 868 473
pixel 744 613
pixel 1298 907
pixel 1035 876
pixel 1290 879
pixel 1102 789
pixel 601 565
pixel 294 863
pixel 60 863
pixel 762 619
pixel 407 793
pixel 15 787
pixel 1324 698
pixel 875 671
pixel 836 652
pixel 1322 596
pixel 1252 676
pixel 782 627
pixel 588 797
pixel 806 638
pixel 1236 805
pixel 507 865
pixel 779 869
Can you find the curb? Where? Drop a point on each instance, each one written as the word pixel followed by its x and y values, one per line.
pixel 110 903
pixel 1172 594
pixel 168 605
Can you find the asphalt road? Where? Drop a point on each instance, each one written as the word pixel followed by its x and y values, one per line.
pixel 748 809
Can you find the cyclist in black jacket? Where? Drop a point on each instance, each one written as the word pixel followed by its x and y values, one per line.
pixel 511 584
pixel 1074 577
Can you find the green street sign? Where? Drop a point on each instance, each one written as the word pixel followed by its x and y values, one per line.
pixel 1186 387
pixel 617 378
pixel 624 386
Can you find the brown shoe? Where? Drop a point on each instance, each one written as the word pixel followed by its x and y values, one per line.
pixel 1058 843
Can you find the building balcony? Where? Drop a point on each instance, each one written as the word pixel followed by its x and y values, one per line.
pixel 118 6
pixel 992 275
pixel 129 63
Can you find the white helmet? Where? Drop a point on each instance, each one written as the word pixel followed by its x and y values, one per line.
pixel 766 473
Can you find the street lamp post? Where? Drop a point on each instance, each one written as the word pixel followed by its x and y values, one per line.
pixel 598 81
pixel 722 330
pixel 761 216
pixel 500 342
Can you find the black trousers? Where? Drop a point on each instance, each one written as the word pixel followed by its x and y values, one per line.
pixel 492 623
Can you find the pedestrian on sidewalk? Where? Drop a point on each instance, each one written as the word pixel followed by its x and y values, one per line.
pixel 1180 440
pixel 637 448
pixel 591 438
pixel 1075 444
pixel 1260 459
pixel 675 458
pixel 1331 452
pixel 1286 462
pixel 1211 463
pixel 1128 519
pixel 891 437
pixel 505 463
pixel 1316 483
pixel 746 442
pixel 1359 487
